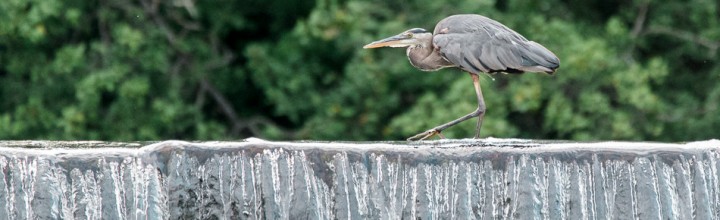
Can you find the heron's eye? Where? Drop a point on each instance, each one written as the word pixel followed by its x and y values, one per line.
pixel 408 34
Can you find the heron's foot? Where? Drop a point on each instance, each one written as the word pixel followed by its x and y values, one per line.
pixel 425 135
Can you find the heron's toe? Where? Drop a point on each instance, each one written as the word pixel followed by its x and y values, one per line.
pixel 425 135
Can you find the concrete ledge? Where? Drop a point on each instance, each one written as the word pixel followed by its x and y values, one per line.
pixel 455 179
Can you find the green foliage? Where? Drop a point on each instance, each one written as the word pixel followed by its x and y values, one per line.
pixel 149 70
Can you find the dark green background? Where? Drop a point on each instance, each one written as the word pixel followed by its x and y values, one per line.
pixel 278 69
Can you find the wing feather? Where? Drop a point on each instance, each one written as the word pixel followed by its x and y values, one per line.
pixel 478 44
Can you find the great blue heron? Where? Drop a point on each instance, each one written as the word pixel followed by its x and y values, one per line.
pixel 475 44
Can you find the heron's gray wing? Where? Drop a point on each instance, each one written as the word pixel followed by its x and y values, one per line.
pixel 479 44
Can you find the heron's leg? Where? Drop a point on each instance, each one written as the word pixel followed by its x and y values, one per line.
pixel 479 112
pixel 481 104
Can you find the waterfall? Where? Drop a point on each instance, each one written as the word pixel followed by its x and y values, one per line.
pixel 445 179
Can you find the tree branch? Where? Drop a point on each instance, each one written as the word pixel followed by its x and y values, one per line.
pixel 687 36
pixel 224 104
pixel 189 5
pixel 102 25
pixel 150 9
pixel 638 27
pixel 640 19
pixel 220 57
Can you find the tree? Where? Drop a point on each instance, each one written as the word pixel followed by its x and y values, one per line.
pixel 148 70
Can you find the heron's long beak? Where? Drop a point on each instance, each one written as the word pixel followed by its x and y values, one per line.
pixel 400 40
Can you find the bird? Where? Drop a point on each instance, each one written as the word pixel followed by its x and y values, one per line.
pixel 475 44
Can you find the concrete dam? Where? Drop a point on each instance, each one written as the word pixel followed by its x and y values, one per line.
pixel 444 179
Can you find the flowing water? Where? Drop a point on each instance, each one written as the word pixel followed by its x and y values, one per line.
pixel 456 179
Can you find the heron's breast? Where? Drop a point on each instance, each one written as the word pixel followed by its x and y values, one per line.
pixel 427 59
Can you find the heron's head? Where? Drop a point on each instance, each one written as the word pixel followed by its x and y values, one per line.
pixel 412 37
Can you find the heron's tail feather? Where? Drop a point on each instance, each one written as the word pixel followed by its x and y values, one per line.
pixel 537 58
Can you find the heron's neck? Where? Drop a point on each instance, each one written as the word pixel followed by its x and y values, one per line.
pixel 424 57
